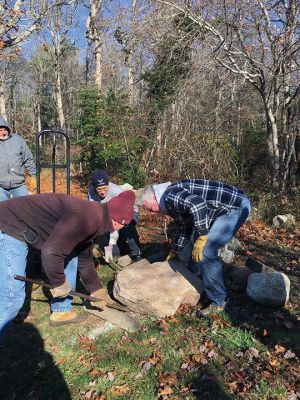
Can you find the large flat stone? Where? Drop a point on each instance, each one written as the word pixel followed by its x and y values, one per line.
pixel 157 289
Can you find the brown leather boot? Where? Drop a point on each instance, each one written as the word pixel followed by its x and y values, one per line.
pixel 66 318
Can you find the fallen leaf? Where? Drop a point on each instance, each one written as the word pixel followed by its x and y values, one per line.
pixel 267 374
pixel 120 390
pixel 279 349
pixel 155 358
pixel 289 355
pixel 232 386
pixel 165 391
pixel 274 362
pixel 111 376
pixel 252 351
pixel 95 373
pixel 288 324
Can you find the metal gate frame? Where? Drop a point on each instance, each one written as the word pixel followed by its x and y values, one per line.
pixel 53 166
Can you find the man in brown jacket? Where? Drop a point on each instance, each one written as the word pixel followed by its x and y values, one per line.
pixel 62 227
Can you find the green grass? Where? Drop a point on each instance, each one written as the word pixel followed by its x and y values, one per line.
pixel 236 339
pixel 265 392
pixel 52 363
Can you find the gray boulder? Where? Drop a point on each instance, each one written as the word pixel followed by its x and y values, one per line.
pixel 284 220
pixel 157 289
pixel 268 288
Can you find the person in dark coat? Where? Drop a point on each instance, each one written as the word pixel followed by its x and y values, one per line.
pixel 101 190
pixel 62 227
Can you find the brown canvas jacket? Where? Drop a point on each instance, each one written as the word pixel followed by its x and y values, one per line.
pixel 63 224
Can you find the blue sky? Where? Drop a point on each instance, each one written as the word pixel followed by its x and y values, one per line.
pixel 77 33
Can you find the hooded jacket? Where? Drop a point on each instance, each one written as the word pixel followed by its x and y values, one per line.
pixel 15 156
pixel 63 224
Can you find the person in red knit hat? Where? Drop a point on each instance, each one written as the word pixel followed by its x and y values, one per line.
pixel 62 227
pixel 121 209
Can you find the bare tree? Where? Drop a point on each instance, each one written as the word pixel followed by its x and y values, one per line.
pixel 258 41
pixel 93 34
pixel 19 19
pixel 59 23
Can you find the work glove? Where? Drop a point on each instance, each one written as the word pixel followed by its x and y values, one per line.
pixel 198 248
pixel 111 251
pixel 96 252
pixel 33 183
pixel 103 297
pixel 62 290
pixel 172 255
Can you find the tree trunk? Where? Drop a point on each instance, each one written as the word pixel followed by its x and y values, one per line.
pixel 130 59
pixel 58 97
pixel 131 94
pixel 93 34
pixel 2 101
pixel 273 145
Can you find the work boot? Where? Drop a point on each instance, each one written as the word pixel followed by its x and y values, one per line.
pixel 66 317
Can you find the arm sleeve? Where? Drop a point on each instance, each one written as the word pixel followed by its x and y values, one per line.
pixel 28 160
pixel 67 234
pixel 87 270
pixel 191 209
pixel 113 237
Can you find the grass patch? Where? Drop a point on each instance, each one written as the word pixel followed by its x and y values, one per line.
pixel 265 392
pixel 236 339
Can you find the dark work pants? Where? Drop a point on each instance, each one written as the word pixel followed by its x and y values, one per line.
pixel 127 236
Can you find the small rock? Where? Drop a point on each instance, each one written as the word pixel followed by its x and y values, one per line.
pixel 284 220
pixel 227 253
pixel 148 365
pixel 269 288
pixel 124 261
pixel 257 266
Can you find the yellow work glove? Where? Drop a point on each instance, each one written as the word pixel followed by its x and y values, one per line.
pixel 198 248
pixel 103 297
pixel 173 254
pixel 62 290
pixel 33 183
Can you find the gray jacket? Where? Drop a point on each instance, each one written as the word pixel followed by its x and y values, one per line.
pixel 15 156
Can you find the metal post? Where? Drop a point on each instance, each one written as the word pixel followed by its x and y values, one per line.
pixel 53 166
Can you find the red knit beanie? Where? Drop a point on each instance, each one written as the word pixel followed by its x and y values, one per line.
pixel 121 207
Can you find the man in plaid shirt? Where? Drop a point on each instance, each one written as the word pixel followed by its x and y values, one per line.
pixel 207 214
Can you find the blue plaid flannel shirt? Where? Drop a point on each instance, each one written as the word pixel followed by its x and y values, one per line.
pixel 196 203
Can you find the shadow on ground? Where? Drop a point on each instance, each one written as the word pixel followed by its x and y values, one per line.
pixel 27 371
pixel 270 326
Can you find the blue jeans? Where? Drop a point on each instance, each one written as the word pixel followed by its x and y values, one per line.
pixel 6 194
pixel 210 268
pixel 13 256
